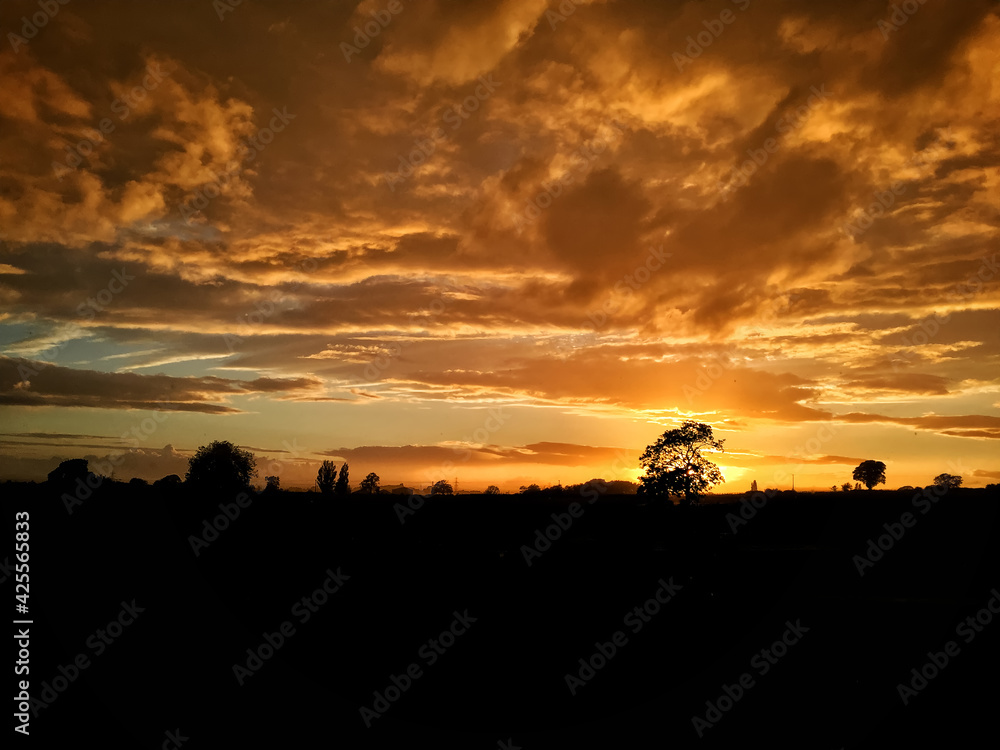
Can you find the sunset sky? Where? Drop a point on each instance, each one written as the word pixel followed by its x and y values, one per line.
pixel 504 241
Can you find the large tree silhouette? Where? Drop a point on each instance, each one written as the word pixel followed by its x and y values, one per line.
pixel 870 473
pixel 221 466
pixel 674 464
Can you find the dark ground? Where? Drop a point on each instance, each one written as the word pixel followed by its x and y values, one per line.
pixel 504 679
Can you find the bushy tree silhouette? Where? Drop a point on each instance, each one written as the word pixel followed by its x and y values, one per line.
pixel 674 464
pixel 221 466
pixel 369 484
pixel 492 490
pixel 326 477
pixel 870 473
pixel 170 481
pixel 947 481
pixel 442 488
pixel 69 472
pixel 272 484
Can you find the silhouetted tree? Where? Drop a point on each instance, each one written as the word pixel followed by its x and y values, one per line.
pixel 492 490
pixel 621 487
pixel 326 477
pixel 343 486
pixel 870 473
pixel 171 481
pixel 272 484
pixel 846 486
pixel 674 464
pixel 530 488
pixel 947 481
pixel 221 466
pixel 442 488
pixel 69 472
pixel 369 484
pixel 138 482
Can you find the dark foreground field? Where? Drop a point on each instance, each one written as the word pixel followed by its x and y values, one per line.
pixel 517 630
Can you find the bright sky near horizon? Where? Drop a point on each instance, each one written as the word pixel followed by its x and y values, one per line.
pixel 507 241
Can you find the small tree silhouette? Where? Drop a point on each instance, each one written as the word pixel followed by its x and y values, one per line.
pixel 492 490
pixel 846 486
pixel 369 484
pixel 870 473
pixel 343 486
pixel 442 487
pixel 326 477
pixel 947 481
pixel 272 484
